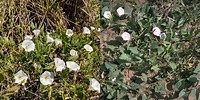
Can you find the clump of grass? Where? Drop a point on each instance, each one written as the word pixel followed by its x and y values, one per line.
pixel 20 18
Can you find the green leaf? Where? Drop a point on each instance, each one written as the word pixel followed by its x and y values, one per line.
pixel 104 9
pixel 160 88
pixel 172 65
pixel 181 93
pixel 154 45
pixel 193 78
pixel 181 22
pixel 180 84
pixel 134 50
pixel 194 94
pixel 128 10
pixel 112 94
pixel 1 77
pixel 125 57
pixel 135 86
pixel 155 68
pixel 145 77
pixel 197 69
pixel 114 74
pixel 111 47
pixel 110 66
pixel 160 50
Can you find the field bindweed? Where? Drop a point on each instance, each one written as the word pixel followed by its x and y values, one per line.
pixel 92 28
pixel 49 39
pixel 95 85
pixel 99 30
pixel 69 32
pixel 126 36
pixel 36 32
pixel 114 79
pixel 163 36
pixel 20 77
pixel 88 48
pixel 60 64
pixel 28 45
pixel 72 65
pixel 156 31
pixel 86 30
pixel 107 14
pixel 120 11
pixel 47 78
pixel 58 42
pixel 35 65
pixel 73 52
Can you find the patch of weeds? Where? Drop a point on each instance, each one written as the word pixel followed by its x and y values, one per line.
pixel 33 34
pixel 155 54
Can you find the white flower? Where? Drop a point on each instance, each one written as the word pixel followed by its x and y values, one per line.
pixel 73 53
pixel 156 31
pixel 35 65
pixel 49 39
pixel 28 37
pixel 114 79
pixel 86 30
pixel 47 78
pixel 176 33
pixel 69 32
pixel 95 85
pixel 28 45
pixel 88 48
pixel 20 77
pixel 58 42
pixel 72 65
pixel 163 36
pixel 120 11
pixel 107 14
pixel 36 32
pixel 99 29
pixel 92 28
pixel 60 64
pixel 126 36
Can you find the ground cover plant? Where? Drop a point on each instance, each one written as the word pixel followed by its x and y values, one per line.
pixel 49 49
pixel 155 52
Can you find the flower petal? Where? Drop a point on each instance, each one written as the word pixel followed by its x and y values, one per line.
pixel 72 65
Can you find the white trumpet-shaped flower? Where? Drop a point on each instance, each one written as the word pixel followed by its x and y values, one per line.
pixel 86 30
pixel 49 39
pixel 114 79
pixel 95 85
pixel 20 77
pixel 126 36
pixel 47 78
pixel 72 65
pixel 88 48
pixel 99 29
pixel 92 28
pixel 163 36
pixel 120 11
pixel 156 31
pixel 73 53
pixel 60 64
pixel 107 14
pixel 69 32
pixel 28 45
pixel 58 42
pixel 36 32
